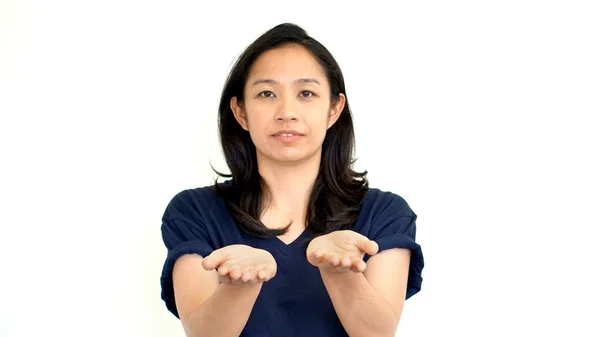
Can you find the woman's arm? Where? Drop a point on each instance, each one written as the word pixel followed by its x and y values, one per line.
pixel 370 303
pixel 225 313
pixel 207 308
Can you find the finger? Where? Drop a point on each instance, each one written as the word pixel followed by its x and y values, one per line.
pixel 372 248
pixel 358 265
pixel 361 244
pixel 346 262
pixel 248 276
pixel 333 259
pixel 255 279
pixel 213 260
pixel 368 246
pixel 263 275
pixel 222 271
pixel 362 266
pixel 235 274
pixel 318 255
pixel 315 258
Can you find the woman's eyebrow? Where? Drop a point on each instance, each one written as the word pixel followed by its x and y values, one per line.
pixel 271 81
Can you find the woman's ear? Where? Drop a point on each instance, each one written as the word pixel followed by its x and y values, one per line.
pixel 336 110
pixel 238 112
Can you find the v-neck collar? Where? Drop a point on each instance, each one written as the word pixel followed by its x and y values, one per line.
pixel 297 243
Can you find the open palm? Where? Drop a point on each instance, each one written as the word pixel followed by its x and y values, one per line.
pixel 340 251
pixel 241 264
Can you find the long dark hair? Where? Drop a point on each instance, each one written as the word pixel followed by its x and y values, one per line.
pixel 338 191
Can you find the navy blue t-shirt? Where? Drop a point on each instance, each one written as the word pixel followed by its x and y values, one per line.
pixel 295 302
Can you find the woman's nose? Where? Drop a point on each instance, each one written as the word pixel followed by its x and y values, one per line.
pixel 286 110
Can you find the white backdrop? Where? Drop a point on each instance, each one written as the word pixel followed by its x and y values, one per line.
pixel 482 115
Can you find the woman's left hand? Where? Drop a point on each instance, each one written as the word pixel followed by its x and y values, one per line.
pixel 340 251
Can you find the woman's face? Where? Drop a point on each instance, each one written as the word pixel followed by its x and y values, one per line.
pixel 287 106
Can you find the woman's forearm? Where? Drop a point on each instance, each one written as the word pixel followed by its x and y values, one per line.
pixel 362 311
pixel 224 313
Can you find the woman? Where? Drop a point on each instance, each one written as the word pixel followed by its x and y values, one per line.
pixel 295 243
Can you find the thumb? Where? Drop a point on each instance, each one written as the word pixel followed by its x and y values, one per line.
pixel 368 246
pixel 213 260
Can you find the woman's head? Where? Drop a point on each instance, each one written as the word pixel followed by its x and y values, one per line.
pixel 285 83
pixel 287 105
pixel 288 82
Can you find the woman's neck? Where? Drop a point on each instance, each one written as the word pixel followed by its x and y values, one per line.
pixel 289 186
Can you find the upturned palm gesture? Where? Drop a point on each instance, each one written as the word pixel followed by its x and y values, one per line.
pixel 241 264
pixel 340 251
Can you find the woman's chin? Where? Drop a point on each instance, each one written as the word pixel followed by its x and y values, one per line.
pixel 290 158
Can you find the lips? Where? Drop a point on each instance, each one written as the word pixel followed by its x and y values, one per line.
pixel 287 136
pixel 287 133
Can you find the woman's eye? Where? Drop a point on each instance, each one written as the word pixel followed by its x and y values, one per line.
pixel 306 94
pixel 266 94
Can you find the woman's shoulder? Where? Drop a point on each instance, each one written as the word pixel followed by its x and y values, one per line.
pixel 191 202
pixel 380 200
pixel 384 212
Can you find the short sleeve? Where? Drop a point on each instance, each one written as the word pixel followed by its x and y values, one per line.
pixel 395 227
pixel 181 235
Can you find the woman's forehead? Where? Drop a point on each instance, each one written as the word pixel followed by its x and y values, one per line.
pixel 286 65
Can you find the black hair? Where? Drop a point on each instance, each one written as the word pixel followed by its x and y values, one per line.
pixel 338 191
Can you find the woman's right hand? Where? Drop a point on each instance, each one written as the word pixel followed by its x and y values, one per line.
pixel 241 264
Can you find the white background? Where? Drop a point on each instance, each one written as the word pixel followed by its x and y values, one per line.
pixel 482 115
